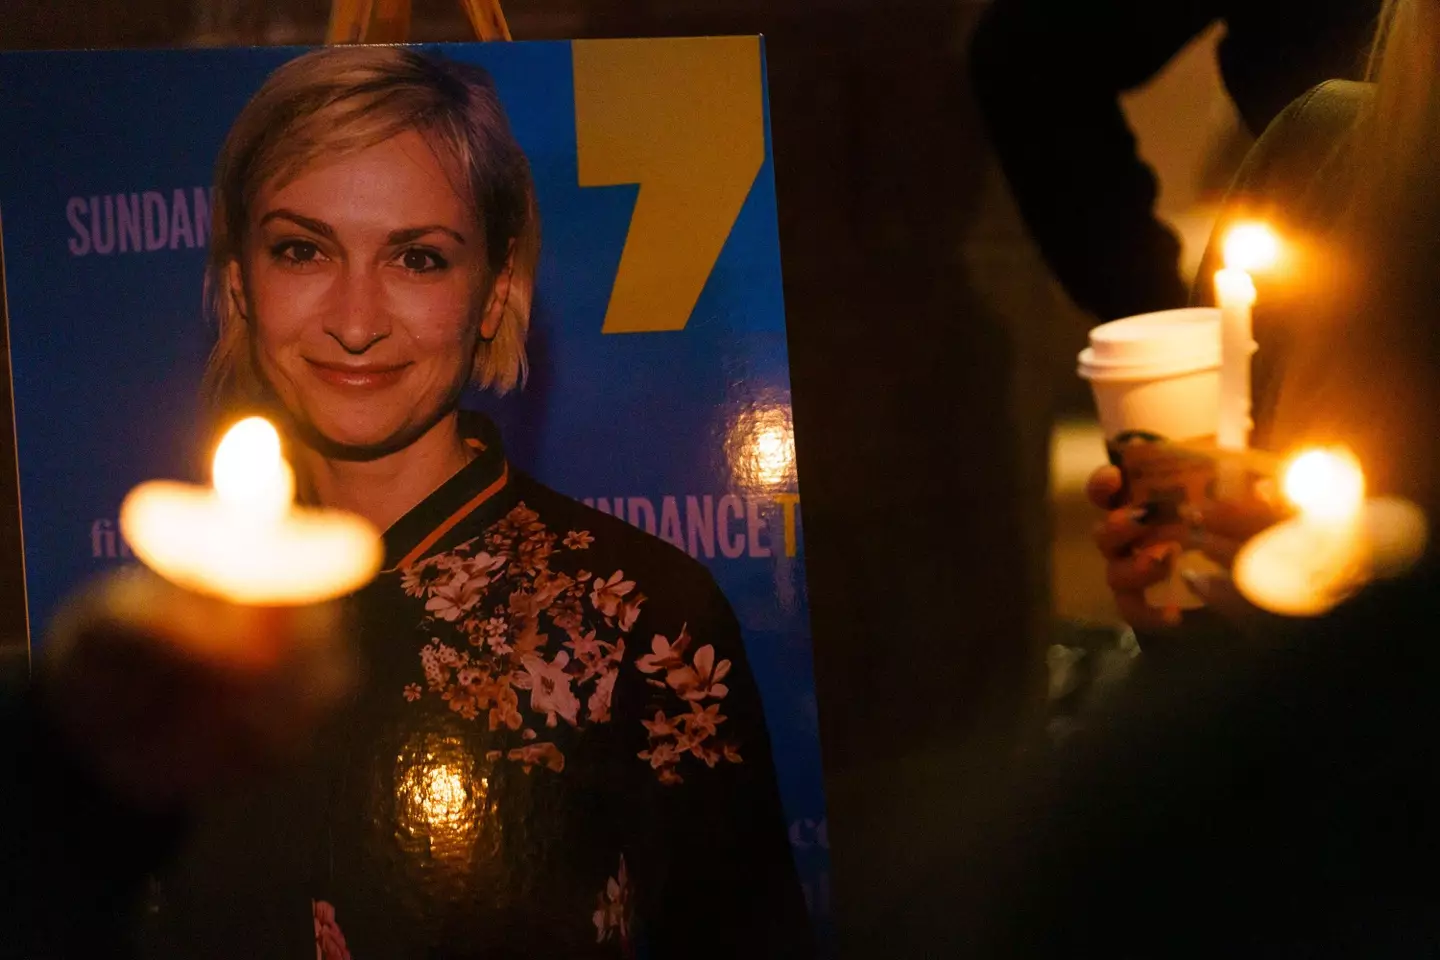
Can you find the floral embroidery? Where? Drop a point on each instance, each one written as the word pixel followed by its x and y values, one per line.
pixel 542 753
pixel 512 638
pixel 329 941
pixel 694 733
pixel 613 911
pixel 549 687
pixel 527 646
pixel 608 594
pixel 416 581
pixel 462 586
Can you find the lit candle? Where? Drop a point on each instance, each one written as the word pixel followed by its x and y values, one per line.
pixel 1337 542
pixel 243 540
pixel 1248 247
pixel 1327 486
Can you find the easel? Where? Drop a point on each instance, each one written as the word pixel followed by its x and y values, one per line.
pixel 388 21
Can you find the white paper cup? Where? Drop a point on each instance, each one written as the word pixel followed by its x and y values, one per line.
pixel 1158 375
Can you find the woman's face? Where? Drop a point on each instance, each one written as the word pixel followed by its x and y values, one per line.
pixel 361 281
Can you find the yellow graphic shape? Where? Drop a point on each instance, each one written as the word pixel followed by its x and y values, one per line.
pixel 684 119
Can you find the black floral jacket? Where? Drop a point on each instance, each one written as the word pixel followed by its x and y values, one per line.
pixel 559 750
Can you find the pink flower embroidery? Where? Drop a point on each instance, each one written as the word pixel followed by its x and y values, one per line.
pixel 489 645
pixel 702 722
pixel 417 580
pixel 664 757
pixel 586 647
pixel 506 712
pixel 599 702
pixel 660 726
pixel 664 655
pixel 549 586
pixel 453 598
pixel 479 568
pixel 607 595
pixel 329 941
pixel 612 911
pixel 546 754
pixel 672 738
pixel 629 612
pixel 549 687
pixel 701 680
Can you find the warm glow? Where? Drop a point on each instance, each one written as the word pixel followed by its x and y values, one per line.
pixel 441 804
pixel 442 795
pixel 1251 247
pixel 250 473
pixel 244 539
pixel 761 446
pixel 773 450
pixel 1326 484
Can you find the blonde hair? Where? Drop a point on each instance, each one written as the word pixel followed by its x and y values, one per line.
pixel 343 99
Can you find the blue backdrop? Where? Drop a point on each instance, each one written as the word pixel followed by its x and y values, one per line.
pixel 685 433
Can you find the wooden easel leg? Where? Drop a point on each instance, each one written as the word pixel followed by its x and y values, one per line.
pixel 349 21
pixel 388 21
pixel 391 22
pixel 487 18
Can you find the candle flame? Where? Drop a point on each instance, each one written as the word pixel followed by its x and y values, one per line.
pixel 249 471
pixel 1251 247
pixel 1326 484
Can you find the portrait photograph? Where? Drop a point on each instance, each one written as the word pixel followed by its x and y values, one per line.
pixel 519 306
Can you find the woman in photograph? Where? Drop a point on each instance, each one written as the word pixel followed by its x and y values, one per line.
pixel 558 748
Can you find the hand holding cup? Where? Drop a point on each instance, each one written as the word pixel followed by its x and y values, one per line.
pixel 1140 553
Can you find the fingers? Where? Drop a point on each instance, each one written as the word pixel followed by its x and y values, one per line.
pixel 1143 568
pixel 1130 577
pixel 1104 487
pixel 1237 520
pixel 1125 531
pixel 1141 616
pixel 1119 532
pixel 1220 549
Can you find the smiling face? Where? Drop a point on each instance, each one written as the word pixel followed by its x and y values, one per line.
pixel 362 280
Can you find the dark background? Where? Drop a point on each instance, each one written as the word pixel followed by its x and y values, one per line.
pixel 929 350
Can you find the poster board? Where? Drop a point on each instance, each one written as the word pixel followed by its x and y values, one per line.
pixel 658 389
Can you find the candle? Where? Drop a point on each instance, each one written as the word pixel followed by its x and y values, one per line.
pixel 243 539
pixel 1248 247
pixel 1337 542
pixel 1327 486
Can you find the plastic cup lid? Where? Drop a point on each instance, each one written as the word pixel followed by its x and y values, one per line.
pixel 1153 345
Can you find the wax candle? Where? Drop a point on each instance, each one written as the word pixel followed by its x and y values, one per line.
pixel 1248 247
pixel 1327 486
pixel 243 539
pixel 1336 543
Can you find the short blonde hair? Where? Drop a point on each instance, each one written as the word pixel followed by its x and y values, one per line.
pixel 343 99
